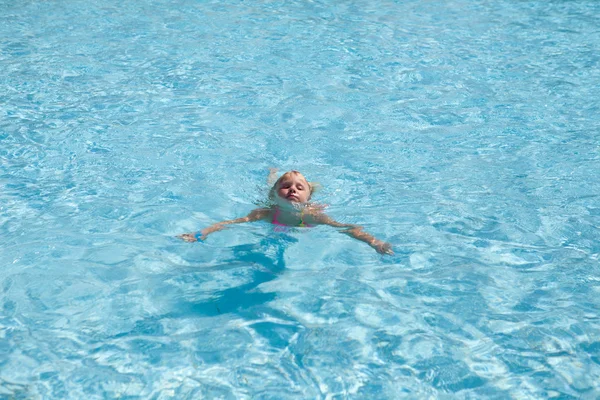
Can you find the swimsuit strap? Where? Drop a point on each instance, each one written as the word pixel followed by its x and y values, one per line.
pixel 302 219
pixel 275 221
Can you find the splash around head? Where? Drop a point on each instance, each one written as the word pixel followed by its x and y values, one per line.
pixel 291 190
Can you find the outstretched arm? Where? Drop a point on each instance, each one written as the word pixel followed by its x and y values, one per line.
pixel 255 215
pixel 356 232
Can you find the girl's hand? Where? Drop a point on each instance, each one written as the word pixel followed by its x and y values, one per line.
pixel 383 248
pixel 272 178
pixel 190 237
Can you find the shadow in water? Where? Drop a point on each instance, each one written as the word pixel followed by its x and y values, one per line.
pixel 266 262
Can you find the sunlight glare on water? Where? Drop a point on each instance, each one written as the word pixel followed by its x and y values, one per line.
pixel 465 133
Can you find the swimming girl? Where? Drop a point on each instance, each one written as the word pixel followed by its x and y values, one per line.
pixel 290 195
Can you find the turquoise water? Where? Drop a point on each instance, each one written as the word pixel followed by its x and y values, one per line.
pixel 465 133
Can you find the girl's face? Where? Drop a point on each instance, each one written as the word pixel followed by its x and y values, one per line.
pixel 294 188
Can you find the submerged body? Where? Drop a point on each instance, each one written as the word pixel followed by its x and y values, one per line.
pixel 291 193
pixel 275 220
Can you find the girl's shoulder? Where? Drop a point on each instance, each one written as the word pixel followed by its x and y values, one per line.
pixel 314 209
pixel 259 213
pixel 314 214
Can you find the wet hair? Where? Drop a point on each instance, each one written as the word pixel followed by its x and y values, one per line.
pixel 272 192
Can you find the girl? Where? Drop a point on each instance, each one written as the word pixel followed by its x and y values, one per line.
pixel 290 195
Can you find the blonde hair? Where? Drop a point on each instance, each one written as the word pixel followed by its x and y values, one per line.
pixel 311 186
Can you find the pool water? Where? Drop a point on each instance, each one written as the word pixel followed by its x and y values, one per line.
pixel 465 133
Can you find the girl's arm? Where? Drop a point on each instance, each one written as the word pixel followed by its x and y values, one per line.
pixel 356 232
pixel 255 215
